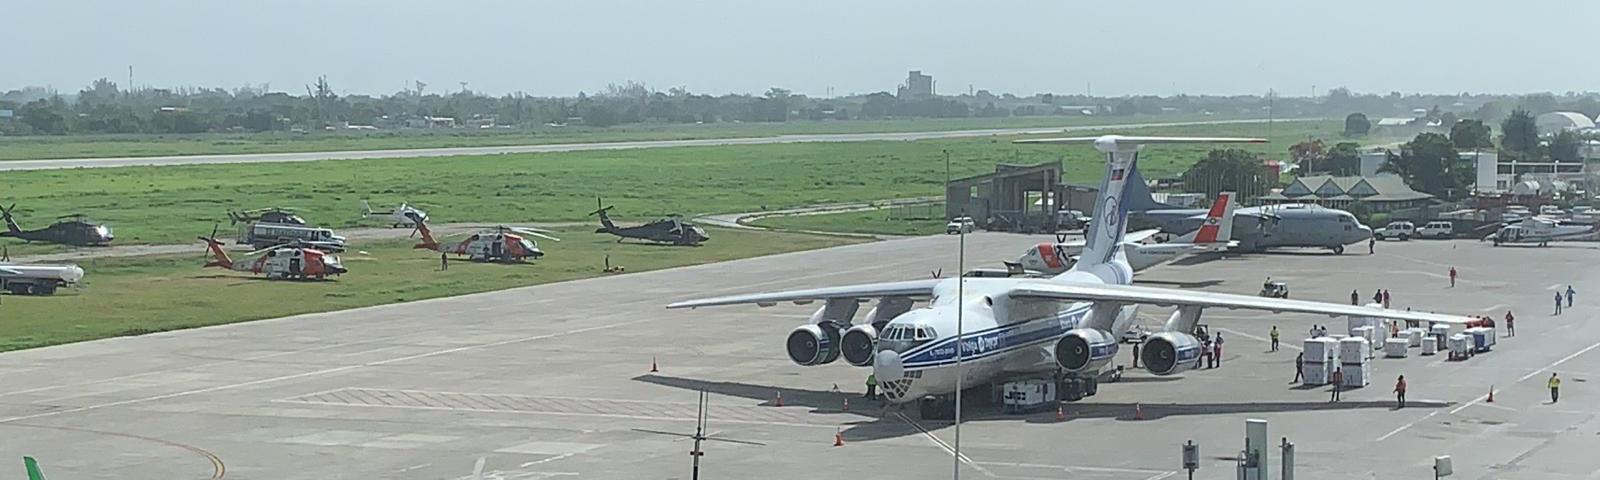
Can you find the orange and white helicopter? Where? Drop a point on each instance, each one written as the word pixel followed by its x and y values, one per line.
pixel 280 262
pixel 502 244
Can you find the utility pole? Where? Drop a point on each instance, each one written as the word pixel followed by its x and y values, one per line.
pixel 961 281
pixel 130 79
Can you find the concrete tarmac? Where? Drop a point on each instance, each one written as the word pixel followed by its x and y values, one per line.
pixel 44 164
pixel 554 381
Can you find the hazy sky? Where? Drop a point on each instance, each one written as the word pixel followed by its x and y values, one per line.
pixel 560 48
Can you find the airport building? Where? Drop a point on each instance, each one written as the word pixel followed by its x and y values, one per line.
pixel 1018 198
pixel 1382 193
pixel 917 85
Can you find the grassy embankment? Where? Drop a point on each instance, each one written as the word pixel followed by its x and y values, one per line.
pixel 94 146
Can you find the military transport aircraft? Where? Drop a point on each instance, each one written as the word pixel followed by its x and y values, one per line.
pixel 1023 327
pixel 1258 228
pixel 502 244
pixel 69 229
pixel 666 230
pixel 1542 231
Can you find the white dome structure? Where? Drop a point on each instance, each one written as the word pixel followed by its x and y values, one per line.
pixel 1553 122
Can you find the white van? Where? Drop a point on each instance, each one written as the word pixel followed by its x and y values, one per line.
pixel 1437 229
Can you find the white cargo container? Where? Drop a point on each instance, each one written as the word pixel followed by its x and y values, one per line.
pixel 1354 350
pixel 1357 321
pixel 1024 396
pixel 1321 349
pixel 1396 347
pixel 1460 346
pixel 1442 332
pixel 1317 373
pixel 1356 375
pixel 1415 336
pixel 1430 345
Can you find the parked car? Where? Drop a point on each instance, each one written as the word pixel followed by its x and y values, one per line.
pixel 1437 229
pixel 1396 230
pixel 960 225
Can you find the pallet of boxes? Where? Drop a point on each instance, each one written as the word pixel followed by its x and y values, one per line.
pixel 1321 357
pixel 1355 361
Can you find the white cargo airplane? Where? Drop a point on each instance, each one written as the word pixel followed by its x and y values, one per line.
pixel 1016 327
pixel 1212 236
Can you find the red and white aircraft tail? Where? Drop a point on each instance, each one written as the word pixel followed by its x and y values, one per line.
pixel 1217 230
pixel 219 256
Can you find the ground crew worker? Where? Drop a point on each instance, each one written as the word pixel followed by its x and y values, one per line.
pixel 1400 392
pixel 872 387
pixel 1570 294
pixel 444 261
pixel 1205 354
pixel 1274 336
pixel 1452 277
pixel 1216 351
pixel 1385 298
pixel 1511 329
pixel 1377 296
pixel 1372 244
pixel 1355 298
pixel 1135 355
pixel 1555 387
pixel 1299 365
pixel 1338 379
pixel 1558 302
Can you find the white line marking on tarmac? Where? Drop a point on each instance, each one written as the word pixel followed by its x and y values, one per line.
pixel 1156 474
pixel 1260 339
pixel 1559 362
pixel 559 414
pixel 1496 306
pixel 1553 287
pixel 1408 425
pixel 942 445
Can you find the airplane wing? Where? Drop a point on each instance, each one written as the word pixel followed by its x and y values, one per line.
pixel 1164 297
pixel 1139 236
pixel 911 288
pixel 10 271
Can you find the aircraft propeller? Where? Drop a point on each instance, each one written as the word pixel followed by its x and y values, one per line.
pixel 599 207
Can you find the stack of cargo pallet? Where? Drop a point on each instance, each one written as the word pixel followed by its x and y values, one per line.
pixel 1482 338
pixel 1415 335
pixel 1320 360
pixel 1430 345
pixel 1355 360
pixel 1440 332
pixel 1395 347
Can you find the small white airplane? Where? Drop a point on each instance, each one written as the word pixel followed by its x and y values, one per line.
pixel 403 215
pixel 1542 231
pixel 1023 327
pixel 1212 237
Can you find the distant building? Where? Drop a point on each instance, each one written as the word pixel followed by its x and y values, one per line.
pixel 1553 122
pixel 916 85
pixel 1382 192
pixel 1495 176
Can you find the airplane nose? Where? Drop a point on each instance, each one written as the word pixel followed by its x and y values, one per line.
pixel 886 366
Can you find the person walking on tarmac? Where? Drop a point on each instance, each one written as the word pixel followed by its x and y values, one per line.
pixel 1385 298
pixel 1216 351
pixel 1372 244
pixel 1135 355
pixel 1338 380
pixel 1299 366
pixel 1400 392
pixel 1558 302
pixel 1555 387
pixel 872 387
pixel 1355 298
pixel 1511 328
pixel 1452 277
pixel 1377 296
pixel 1570 294
pixel 1274 336
pixel 444 261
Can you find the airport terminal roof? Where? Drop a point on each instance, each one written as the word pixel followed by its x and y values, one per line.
pixel 1556 121
pixel 1381 188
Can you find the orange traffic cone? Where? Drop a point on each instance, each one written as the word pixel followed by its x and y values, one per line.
pixel 653 368
pixel 838 438
pixel 1061 414
pixel 779 401
pixel 1491 395
pixel 1138 412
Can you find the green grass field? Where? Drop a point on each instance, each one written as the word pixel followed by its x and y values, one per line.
pixel 132 296
pixel 173 204
pixel 90 146
pixel 870 221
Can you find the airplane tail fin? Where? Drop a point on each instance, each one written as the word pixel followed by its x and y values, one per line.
pixel 1103 239
pixel 427 241
pixel 1218 227
pixel 32 466
pixel 1139 198
pixel 218 255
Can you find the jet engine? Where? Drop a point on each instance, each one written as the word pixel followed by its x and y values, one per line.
pixel 814 344
pixel 1167 353
pixel 1085 349
pixel 858 345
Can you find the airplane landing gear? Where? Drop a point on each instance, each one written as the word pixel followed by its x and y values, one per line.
pixel 1338 249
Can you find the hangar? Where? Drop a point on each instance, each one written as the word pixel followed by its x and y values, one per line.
pixel 1016 198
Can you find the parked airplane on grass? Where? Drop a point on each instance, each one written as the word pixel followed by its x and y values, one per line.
pixel 1211 237
pixel 1023 327
pixel 1542 231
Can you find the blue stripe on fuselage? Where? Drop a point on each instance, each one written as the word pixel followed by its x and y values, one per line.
pixel 994 341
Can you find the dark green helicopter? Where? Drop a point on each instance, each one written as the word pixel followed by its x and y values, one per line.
pixel 70 229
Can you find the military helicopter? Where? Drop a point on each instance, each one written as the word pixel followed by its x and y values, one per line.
pixel 666 230
pixel 501 244
pixel 71 229
pixel 281 262
pixel 279 215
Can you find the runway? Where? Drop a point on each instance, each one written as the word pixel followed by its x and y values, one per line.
pixel 571 147
pixel 553 381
